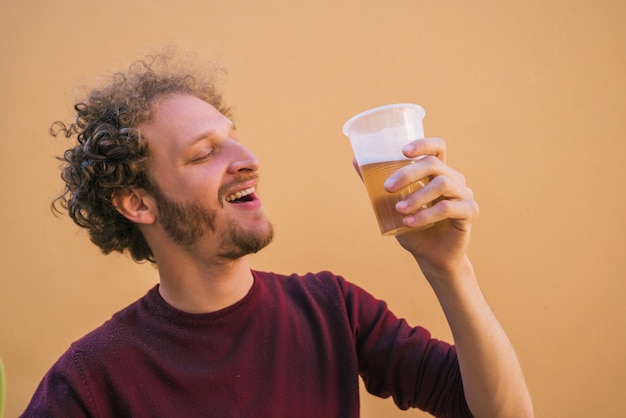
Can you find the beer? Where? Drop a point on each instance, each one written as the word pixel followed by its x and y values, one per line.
pixel 383 202
pixel 377 137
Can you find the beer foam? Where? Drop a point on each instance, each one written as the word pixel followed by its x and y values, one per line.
pixel 384 145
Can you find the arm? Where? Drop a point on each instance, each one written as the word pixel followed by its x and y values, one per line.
pixel 493 382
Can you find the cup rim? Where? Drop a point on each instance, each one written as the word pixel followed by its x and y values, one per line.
pixel 349 122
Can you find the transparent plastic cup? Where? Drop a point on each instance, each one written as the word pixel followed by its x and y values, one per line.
pixel 377 137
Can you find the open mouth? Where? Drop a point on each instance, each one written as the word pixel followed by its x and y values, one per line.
pixel 241 196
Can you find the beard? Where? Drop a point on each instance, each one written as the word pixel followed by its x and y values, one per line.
pixel 187 224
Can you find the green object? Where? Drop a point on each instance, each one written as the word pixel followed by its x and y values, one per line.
pixel 2 388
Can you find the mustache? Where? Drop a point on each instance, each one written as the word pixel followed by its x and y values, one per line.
pixel 225 188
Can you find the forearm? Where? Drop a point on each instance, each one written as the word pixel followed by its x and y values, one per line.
pixel 493 382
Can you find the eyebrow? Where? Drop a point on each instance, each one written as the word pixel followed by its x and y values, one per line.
pixel 207 135
pixel 201 137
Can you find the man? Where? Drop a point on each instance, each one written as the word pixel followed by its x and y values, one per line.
pixel 158 171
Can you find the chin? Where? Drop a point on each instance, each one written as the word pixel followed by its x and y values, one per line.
pixel 248 241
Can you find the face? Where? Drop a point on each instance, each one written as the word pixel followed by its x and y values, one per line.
pixel 204 180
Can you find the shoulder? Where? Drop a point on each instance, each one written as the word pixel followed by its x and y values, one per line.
pixel 72 384
pixel 324 287
pixel 324 282
pixel 113 334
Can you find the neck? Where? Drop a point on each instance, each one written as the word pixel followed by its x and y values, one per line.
pixel 206 287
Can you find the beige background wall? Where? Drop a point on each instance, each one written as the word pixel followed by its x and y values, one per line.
pixel 530 96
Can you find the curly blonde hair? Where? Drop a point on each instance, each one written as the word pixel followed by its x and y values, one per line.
pixel 110 155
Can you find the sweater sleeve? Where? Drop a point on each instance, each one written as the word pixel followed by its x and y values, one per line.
pixel 403 362
pixel 63 391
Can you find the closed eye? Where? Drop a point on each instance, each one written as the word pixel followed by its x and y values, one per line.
pixel 203 156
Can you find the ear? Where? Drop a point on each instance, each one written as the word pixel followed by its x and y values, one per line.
pixel 136 205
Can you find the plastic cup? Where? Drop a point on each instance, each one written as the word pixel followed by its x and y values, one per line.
pixel 377 137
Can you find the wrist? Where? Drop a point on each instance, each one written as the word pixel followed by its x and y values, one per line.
pixel 456 288
pixel 460 271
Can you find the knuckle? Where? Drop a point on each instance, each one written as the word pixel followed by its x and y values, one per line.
pixel 431 160
pixel 445 207
pixel 441 184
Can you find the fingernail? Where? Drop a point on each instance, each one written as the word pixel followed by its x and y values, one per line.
pixel 402 205
pixel 390 183
pixel 408 148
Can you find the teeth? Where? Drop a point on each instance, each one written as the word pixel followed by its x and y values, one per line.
pixel 240 194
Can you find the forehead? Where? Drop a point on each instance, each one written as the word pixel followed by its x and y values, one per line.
pixel 180 119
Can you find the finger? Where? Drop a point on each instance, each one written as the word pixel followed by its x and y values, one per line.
pixel 461 212
pixel 426 167
pixel 440 187
pixel 426 146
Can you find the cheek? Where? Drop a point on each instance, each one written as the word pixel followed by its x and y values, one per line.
pixel 203 185
pixel 191 182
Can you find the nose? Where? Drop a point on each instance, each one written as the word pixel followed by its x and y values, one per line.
pixel 243 159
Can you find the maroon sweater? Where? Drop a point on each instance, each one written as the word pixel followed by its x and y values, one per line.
pixel 292 347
